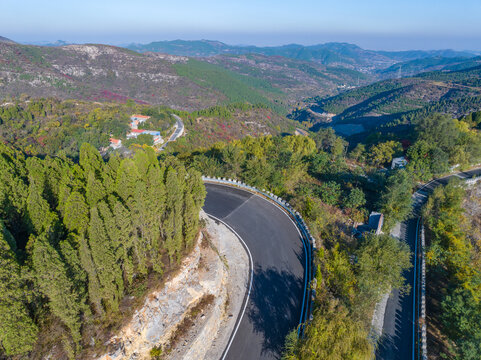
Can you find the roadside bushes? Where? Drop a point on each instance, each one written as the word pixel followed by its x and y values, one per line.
pixel 395 201
pixel 349 284
pixel 453 254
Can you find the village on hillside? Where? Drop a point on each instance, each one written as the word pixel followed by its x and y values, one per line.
pixel 158 141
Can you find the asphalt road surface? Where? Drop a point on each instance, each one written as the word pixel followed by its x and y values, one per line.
pixel 177 133
pixel 397 337
pixel 179 130
pixel 274 305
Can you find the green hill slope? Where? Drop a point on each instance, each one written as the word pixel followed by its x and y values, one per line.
pixel 390 103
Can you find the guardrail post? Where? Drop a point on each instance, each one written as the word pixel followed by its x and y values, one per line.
pixel 424 346
pixel 307 240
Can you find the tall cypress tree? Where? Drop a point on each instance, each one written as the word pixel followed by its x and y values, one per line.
pixel 156 208
pixel 73 264
pixel 76 213
pixel 94 287
pixel 109 272
pixel 173 222
pixel 54 283
pixel 18 331
pixel 38 209
pixel 195 186
pixel 127 176
pixel 90 159
pixel 94 190
pixel 191 219
pixel 124 240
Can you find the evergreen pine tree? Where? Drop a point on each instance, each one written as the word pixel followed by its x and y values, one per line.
pixel 54 283
pixel 94 190
pixel 38 210
pixel 18 331
pixel 173 222
pixel 76 213
pixel 191 219
pixel 94 287
pixel 108 271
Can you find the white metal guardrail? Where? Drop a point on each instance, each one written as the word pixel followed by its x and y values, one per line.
pixel 424 340
pixel 422 326
pixel 309 242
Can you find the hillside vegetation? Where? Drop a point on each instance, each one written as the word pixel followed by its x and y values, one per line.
pixel 391 103
pixel 455 270
pixel 75 238
pixel 108 73
pixel 234 86
pixel 54 127
pixel 414 67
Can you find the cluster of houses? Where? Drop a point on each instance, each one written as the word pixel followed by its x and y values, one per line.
pixel 135 121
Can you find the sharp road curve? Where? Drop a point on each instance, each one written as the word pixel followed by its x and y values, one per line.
pixel 274 304
pixel 400 329
pixel 178 132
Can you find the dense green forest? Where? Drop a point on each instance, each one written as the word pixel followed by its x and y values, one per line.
pixel 235 87
pixel 392 106
pixel 466 77
pixel 75 238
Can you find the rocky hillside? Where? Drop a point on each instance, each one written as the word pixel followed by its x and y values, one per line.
pixel 296 77
pixel 107 73
pixel 97 72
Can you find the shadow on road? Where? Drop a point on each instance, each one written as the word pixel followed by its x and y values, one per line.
pixel 276 295
pixel 397 344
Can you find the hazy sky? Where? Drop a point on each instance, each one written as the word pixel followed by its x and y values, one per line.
pixel 375 24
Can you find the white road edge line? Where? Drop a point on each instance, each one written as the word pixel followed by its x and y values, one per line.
pixel 286 214
pixel 250 283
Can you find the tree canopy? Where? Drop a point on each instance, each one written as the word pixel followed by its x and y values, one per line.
pixel 75 236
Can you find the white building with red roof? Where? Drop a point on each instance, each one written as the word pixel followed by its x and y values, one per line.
pixel 134 133
pixel 115 143
pixel 138 119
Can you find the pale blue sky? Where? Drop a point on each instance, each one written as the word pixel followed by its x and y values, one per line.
pixel 377 24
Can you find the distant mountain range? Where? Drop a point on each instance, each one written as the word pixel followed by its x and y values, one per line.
pixel 333 54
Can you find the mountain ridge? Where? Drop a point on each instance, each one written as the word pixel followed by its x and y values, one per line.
pixel 331 53
pixel 6 40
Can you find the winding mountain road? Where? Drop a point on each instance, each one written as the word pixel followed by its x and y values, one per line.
pixel 274 304
pixel 178 132
pixel 400 321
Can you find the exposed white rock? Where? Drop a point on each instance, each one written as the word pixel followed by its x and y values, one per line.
pixel 92 51
pixel 203 272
